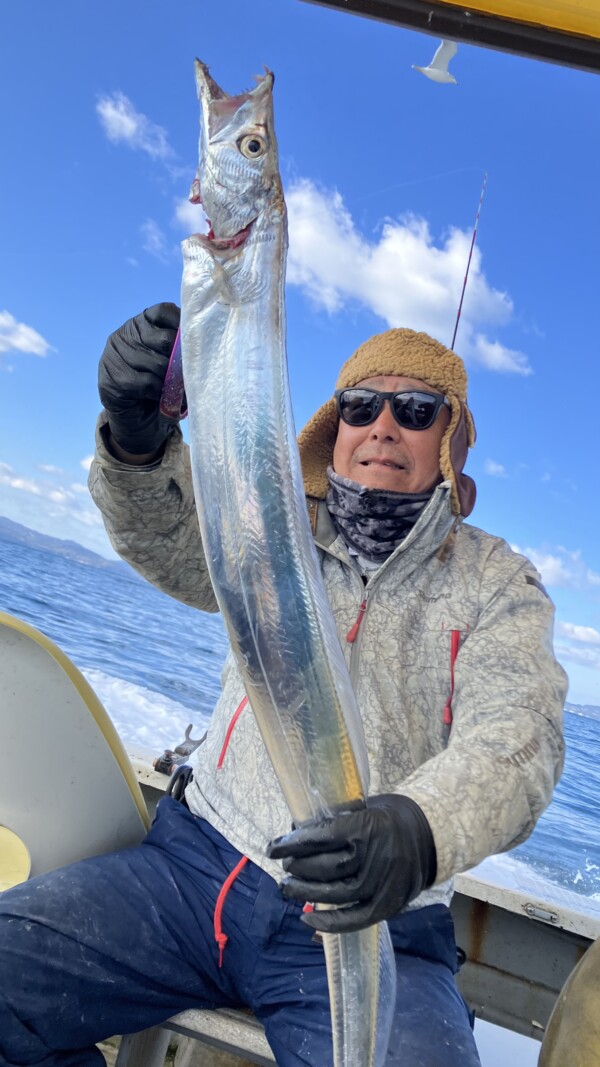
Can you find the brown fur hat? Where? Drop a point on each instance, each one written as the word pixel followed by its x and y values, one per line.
pixel 412 355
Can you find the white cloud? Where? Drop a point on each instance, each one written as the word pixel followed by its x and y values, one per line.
pixel 191 217
pixel 585 657
pixel 494 356
pixel 60 509
pixel 580 644
pixel 86 462
pixel 586 635
pixel 17 336
pixel 47 489
pixel 122 123
pixel 25 485
pixel 561 567
pixel 552 568
pixel 49 468
pixel 402 275
pixel 154 240
pixel 496 469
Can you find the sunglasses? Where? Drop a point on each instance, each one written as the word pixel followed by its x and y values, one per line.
pixel 412 409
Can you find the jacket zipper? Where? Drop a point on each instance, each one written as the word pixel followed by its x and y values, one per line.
pixel 353 631
pixel 454 647
pixel 354 635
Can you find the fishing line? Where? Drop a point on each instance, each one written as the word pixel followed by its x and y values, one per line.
pixel 414 181
pixel 351 201
pixel 473 239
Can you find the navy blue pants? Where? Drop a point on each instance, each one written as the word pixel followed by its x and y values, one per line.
pixel 119 943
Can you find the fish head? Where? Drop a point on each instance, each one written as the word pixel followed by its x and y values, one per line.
pixel 238 172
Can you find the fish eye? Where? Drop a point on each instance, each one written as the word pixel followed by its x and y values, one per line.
pixel 252 146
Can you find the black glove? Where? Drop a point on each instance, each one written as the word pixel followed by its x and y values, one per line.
pixel 131 377
pixel 376 859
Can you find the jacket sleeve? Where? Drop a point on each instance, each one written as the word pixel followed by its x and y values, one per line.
pixel 484 793
pixel 150 517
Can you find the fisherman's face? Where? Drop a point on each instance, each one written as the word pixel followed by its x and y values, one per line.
pixel 383 455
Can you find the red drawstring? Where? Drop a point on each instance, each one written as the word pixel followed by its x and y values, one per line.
pixel 235 718
pixel 454 647
pixel 353 633
pixel 220 936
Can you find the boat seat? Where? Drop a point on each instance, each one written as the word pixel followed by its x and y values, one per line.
pixel 68 791
pixel 236 1032
pixel 67 788
pixel 15 861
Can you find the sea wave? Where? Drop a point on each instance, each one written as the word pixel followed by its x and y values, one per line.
pixel 142 716
pixel 509 872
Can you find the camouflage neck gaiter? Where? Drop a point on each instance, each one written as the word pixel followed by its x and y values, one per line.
pixel 372 521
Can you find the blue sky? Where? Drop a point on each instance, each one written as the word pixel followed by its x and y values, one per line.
pixel 383 171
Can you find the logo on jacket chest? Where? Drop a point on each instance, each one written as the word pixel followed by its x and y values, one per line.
pixel 431 597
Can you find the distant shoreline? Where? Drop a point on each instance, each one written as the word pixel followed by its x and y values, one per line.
pixel 18 534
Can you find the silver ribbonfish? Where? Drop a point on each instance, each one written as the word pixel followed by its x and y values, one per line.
pixel 255 528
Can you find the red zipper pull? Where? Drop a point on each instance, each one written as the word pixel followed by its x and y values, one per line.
pixel 353 632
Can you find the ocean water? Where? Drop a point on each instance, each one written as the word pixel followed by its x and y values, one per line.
pixel 155 665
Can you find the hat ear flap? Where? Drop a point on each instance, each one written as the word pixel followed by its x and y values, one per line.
pixel 471 430
pixel 316 443
pixel 453 456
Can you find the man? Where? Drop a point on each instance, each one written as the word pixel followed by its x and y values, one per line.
pixel 447 633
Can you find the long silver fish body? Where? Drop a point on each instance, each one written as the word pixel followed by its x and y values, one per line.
pixel 254 523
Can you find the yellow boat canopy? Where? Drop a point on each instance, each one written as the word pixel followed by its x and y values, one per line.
pixel 559 31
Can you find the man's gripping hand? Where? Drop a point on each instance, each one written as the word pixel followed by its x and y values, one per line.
pixel 374 860
pixel 131 376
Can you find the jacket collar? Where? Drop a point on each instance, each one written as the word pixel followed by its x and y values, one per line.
pixel 427 535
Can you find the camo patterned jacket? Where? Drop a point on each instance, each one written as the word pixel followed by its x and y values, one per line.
pixel 453 626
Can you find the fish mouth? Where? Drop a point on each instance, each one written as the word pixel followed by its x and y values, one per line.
pixel 218 244
pixel 222 244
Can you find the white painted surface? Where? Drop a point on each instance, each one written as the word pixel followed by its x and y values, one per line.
pixel 499 1047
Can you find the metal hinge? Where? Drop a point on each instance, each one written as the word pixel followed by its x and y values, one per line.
pixel 540 913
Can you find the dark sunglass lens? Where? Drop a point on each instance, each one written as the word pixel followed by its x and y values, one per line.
pixel 415 411
pixel 358 407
